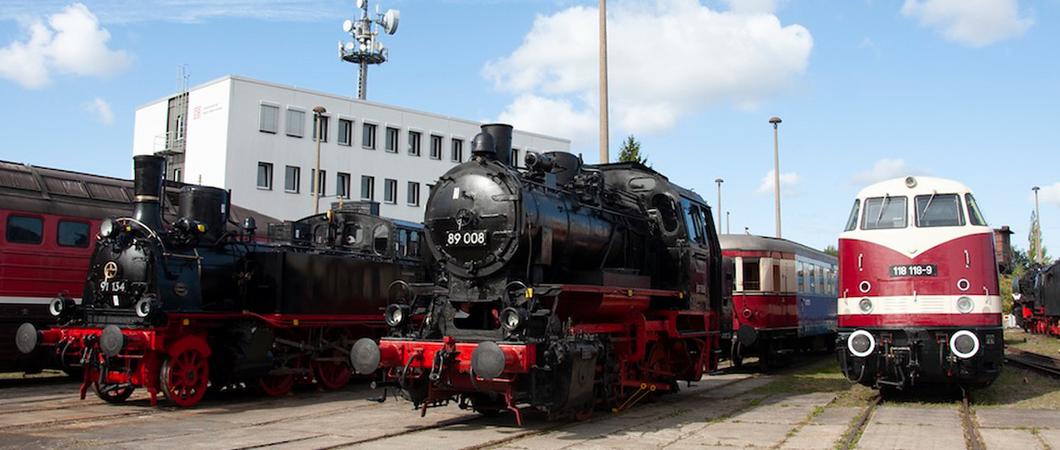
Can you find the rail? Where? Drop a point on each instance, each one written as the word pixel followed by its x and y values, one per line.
pixel 1035 361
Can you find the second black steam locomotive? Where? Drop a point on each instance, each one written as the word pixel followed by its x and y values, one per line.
pixel 1036 299
pixel 178 308
pixel 562 286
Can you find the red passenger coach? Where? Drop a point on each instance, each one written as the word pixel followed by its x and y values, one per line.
pixel 918 287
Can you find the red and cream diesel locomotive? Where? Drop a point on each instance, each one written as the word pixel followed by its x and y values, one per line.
pixel 918 287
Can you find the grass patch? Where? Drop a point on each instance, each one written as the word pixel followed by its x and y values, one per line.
pixel 1046 345
pixel 1017 387
pixel 820 376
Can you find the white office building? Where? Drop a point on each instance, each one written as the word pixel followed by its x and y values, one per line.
pixel 258 139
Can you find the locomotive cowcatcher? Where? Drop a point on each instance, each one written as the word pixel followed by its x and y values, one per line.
pixel 179 308
pixel 562 286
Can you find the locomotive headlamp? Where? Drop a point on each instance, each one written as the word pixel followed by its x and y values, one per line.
pixel 865 305
pixel 910 182
pixel 861 343
pixel 107 228
pixel 965 305
pixel 396 314
pixel 146 307
pixel 964 344
pixel 513 319
pixel 56 307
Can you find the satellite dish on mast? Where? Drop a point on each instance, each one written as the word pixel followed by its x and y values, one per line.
pixel 347 25
pixel 360 4
pixel 390 21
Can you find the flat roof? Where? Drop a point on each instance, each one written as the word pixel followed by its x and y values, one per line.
pixel 342 98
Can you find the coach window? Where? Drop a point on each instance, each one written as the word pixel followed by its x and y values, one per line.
pixel 751 275
pixel 414 243
pixel 883 213
pixel 939 210
pixel 24 230
pixel 852 222
pixel 402 244
pixel 800 276
pixel 974 216
pixel 73 234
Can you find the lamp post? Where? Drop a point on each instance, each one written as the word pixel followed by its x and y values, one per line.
pixel 776 169
pixel 317 114
pixel 719 181
pixel 728 224
pixel 1038 228
pixel 604 135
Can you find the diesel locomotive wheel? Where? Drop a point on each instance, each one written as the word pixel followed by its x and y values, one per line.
pixel 185 375
pixel 331 370
pixel 112 393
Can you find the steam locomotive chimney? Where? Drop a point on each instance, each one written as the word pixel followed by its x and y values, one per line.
pixel 502 140
pixel 147 188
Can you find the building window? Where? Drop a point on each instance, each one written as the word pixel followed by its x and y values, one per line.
pixel 458 150
pixel 368 138
pixel 180 127
pixel 414 193
pixel 436 147
pixel 265 175
pixel 391 139
pixel 323 127
pixel 342 185
pixel 295 123
pixel 321 181
pixel 178 175
pixel 25 230
pixel 270 119
pixel 291 179
pixel 414 143
pixel 367 187
pixel 390 191
pixel 73 234
pixel 345 132
pixel 515 157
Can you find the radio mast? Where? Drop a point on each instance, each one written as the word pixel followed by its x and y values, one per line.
pixel 365 48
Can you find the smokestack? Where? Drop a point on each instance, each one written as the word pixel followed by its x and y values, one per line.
pixel 147 188
pixel 502 140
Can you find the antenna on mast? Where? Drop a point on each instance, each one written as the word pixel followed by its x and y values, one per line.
pixel 365 48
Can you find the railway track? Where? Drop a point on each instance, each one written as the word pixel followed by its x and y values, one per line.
pixel 972 439
pixel 1034 361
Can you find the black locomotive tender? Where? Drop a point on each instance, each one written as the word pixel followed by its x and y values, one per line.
pixel 175 308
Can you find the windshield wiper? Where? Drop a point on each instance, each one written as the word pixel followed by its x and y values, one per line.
pixel 883 207
pixel 926 206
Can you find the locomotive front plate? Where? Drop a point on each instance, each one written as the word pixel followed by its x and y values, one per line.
pixel 469 238
pixel 914 270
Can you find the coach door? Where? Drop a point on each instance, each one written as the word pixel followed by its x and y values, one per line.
pixel 698 255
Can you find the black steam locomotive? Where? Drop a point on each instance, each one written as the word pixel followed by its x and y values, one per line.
pixel 563 286
pixel 1036 299
pixel 179 308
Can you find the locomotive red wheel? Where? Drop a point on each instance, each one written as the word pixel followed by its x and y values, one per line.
pixel 280 385
pixel 332 373
pixel 111 394
pixel 185 375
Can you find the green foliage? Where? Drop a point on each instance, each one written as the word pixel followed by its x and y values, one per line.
pixel 831 250
pixel 630 151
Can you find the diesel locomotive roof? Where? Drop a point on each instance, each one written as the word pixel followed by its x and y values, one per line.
pixel 766 243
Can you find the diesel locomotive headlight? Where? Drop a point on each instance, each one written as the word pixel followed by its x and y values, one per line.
pixel 107 228
pixel 512 319
pixel 865 305
pixel 396 314
pixel 861 343
pixel 965 305
pixel 964 344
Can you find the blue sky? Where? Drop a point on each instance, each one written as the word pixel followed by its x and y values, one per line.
pixel 867 88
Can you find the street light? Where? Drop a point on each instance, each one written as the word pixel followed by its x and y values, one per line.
pixel 1038 231
pixel 719 181
pixel 776 169
pixel 728 224
pixel 317 113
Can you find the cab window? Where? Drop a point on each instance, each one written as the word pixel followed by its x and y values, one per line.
pixel 974 216
pixel 883 213
pixel 25 230
pixel 852 221
pixel 414 244
pixel 751 275
pixel 402 244
pixel 380 239
pixel 73 234
pixel 939 210
pixel 693 222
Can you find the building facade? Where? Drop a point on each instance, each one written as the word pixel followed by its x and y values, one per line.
pixel 258 139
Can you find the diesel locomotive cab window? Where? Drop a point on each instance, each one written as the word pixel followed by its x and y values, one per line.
pixel 974 216
pixel 939 210
pixel 852 221
pixel 73 234
pixel 24 230
pixel 883 213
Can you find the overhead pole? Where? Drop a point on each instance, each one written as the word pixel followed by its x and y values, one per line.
pixel 776 169
pixel 719 181
pixel 1037 228
pixel 604 144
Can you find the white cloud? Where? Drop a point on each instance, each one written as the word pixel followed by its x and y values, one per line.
pixel 100 109
pixel 788 184
pixel 884 169
pixel 1049 194
pixel 666 59
pixel 531 112
pixel 71 41
pixel 752 6
pixel 974 23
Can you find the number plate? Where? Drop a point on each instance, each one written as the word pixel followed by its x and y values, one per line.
pixel 469 238
pixel 914 270
pixel 112 286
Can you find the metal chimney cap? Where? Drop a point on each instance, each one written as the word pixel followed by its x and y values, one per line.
pixel 320 110
pixel 774 120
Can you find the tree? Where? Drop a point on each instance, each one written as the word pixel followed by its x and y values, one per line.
pixel 831 250
pixel 1034 238
pixel 630 151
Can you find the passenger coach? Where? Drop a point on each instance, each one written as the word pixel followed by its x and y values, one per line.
pixel 918 287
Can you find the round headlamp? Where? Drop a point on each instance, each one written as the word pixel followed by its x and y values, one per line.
pixel 965 305
pixel 144 307
pixel 56 307
pixel 107 228
pixel 964 344
pixel 861 343
pixel 395 314
pixel 865 305
pixel 512 319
